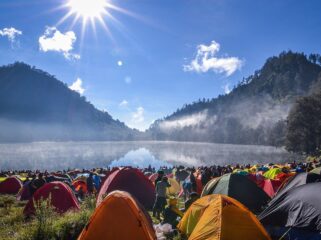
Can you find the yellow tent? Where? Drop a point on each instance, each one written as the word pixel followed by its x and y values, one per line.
pixel 218 217
pixel 175 188
pixel 272 173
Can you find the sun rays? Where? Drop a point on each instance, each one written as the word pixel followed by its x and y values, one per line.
pixel 92 12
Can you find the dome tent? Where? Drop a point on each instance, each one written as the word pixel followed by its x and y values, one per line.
pixel 239 187
pixel 119 216
pixel 218 217
pixel 10 185
pixel 299 208
pixel 132 181
pixel 295 181
pixel 60 195
pixel 316 170
pixel 78 184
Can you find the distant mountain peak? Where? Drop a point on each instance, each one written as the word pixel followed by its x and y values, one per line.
pixel 30 96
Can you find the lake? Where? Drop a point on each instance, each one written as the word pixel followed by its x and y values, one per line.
pixel 64 155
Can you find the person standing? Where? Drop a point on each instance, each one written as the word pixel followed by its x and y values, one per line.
pixel 90 183
pixel 37 183
pixel 160 175
pixel 160 201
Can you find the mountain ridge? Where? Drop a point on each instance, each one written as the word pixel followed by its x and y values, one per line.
pixel 254 112
pixel 44 107
pixel 35 106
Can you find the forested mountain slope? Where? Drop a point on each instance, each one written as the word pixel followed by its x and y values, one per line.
pixel 255 110
pixel 36 106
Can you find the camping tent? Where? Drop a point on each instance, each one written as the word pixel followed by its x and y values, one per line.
pixel 153 177
pixel 77 184
pixel 218 217
pixel 175 188
pixel 10 185
pixel 132 181
pixel 316 170
pixel 241 188
pixel 63 177
pixel 208 189
pixel 299 207
pixel 60 195
pixel 295 181
pixel 271 186
pixel 121 217
pixel 272 173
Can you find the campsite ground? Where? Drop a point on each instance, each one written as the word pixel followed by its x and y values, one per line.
pixel 46 224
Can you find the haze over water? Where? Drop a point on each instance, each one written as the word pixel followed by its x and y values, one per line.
pixel 64 155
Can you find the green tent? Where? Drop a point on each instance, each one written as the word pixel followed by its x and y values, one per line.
pixel 240 188
pixel 208 189
pixel 272 173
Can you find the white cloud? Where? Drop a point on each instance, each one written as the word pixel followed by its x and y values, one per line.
pixel 77 86
pixel 123 103
pixel 120 63
pixel 54 40
pixel 128 80
pixel 138 116
pixel 206 60
pixel 226 88
pixel 137 119
pixel 189 121
pixel 10 33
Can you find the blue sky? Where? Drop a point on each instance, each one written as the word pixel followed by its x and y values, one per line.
pixel 159 54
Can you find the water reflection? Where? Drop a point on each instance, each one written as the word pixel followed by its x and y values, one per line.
pixel 140 158
pixel 64 155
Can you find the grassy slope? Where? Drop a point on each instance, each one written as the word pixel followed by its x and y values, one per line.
pixel 47 224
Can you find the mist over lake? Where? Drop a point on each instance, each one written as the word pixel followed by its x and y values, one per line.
pixel 64 155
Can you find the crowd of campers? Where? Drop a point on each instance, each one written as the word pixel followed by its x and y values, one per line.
pixel 218 202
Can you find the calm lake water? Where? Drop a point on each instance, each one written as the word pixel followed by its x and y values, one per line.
pixel 64 155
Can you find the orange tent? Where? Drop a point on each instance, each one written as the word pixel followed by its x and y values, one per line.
pixel 80 184
pixel 218 217
pixel 119 217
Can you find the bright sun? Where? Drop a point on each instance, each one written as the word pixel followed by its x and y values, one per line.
pixel 92 11
pixel 87 8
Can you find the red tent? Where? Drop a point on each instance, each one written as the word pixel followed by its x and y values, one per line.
pixel 130 180
pixel 62 198
pixel 153 177
pixel 269 186
pixel 199 185
pixel 10 185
